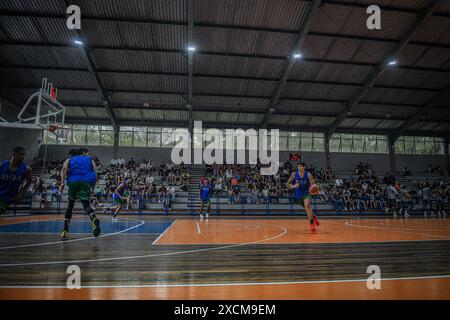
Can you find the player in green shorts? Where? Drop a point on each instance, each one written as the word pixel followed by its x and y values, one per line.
pixel 81 174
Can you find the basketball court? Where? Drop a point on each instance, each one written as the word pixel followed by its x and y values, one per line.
pixel 225 258
pixel 338 91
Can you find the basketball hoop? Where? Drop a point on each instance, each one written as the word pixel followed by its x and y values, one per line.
pixel 59 131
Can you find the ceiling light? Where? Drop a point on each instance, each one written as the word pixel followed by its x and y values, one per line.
pixel 297 55
pixel 78 42
pixel 191 49
pixel 393 62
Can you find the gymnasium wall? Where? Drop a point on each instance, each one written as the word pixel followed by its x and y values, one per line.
pixel 30 139
pixel 339 161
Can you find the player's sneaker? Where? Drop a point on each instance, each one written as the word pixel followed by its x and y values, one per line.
pixel 64 235
pixel 316 220
pixel 312 227
pixel 207 215
pixel 96 227
pixel 201 216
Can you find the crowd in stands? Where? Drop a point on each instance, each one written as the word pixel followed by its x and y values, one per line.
pixel 244 183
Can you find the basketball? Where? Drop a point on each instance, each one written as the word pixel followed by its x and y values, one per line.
pixel 314 189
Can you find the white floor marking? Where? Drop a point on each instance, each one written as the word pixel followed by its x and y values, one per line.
pixel 157 239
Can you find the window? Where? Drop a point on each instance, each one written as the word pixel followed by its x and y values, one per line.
pixel 420 145
pixel 283 141
pixel 154 137
pixel 167 137
pixel 346 143
pixel 79 134
pixel 318 142
pixel 293 141
pixel 306 141
pixel 93 136
pixel 107 136
pixel 126 137
pixel 140 137
pixel 358 143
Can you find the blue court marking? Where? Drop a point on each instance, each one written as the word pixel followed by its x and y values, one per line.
pixel 84 227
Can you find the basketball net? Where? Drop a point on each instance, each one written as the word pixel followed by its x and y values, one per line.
pixel 59 131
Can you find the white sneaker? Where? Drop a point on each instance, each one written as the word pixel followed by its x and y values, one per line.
pixel 207 215
pixel 406 215
pixel 201 217
pixel 114 219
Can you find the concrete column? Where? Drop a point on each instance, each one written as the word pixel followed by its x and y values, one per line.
pixel 327 153
pixel 116 142
pixel 447 157
pixel 392 158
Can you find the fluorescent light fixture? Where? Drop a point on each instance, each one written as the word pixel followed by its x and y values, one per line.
pixel 191 48
pixel 393 62
pixel 78 42
pixel 297 55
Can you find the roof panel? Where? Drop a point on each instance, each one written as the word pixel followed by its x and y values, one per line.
pixel 349 122
pixel 318 91
pixel 237 66
pixel 167 10
pixel 132 34
pixel 283 14
pixel 142 82
pixel 139 61
pixel 36 6
pixel 244 42
pixel 237 86
pixel 96 113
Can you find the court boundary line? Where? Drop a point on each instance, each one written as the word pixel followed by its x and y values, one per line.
pixel 348 223
pixel 160 236
pixel 74 240
pixel 148 255
pixel 231 284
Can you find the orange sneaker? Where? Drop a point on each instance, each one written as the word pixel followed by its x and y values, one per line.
pixel 312 227
pixel 316 221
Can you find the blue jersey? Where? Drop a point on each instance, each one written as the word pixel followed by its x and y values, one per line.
pixel 10 181
pixel 81 170
pixel 121 192
pixel 205 192
pixel 303 184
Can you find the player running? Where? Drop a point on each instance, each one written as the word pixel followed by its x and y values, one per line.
pixel 118 199
pixel 81 174
pixel 301 181
pixel 205 196
pixel 12 175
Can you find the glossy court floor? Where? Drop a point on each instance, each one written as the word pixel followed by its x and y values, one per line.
pixel 164 257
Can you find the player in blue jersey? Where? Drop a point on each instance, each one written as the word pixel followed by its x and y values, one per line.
pixel 118 199
pixel 300 181
pixel 205 196
pixel 81 174
pixel 13 174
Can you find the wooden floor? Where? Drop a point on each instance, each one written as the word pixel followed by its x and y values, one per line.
pixel 161 257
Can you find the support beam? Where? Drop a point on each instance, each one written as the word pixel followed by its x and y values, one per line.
pixel 424 111
pixel 392 156
pixel 190 65
pixel 152 22
pixel 447 156
pixel 85 51
pixel 379 69
pixel 116 141
pixel 212 76
pixel 313 8
pixel 211 53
